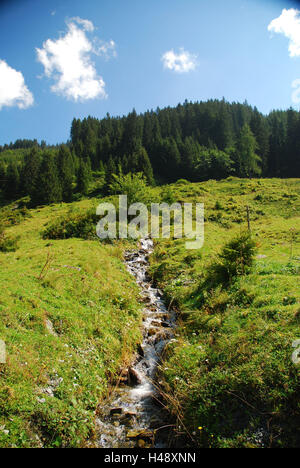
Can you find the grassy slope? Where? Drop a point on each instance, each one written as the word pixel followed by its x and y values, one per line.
pixel 230 370
pixel 90 300
pixel 229 374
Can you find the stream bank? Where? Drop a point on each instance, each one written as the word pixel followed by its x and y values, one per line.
pixel 135 416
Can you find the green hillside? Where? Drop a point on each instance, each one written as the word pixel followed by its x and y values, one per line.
pixel 229 376
pixel 71 319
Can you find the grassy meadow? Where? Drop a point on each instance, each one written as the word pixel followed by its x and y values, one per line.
pixel 228 375
pixel 71 318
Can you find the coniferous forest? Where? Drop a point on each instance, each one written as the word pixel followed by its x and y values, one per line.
pixel 196 141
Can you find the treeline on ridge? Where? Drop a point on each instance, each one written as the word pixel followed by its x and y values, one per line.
pixel 197 141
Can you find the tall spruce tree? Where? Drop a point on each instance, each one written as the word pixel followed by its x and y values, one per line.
pixel 292 143
pixel 66 172
pixel 83 178
pixel 30 173
pixel 260 130
pixel 12 181
pixel 111 169
pixel 144 165
pixel 49 189
pixel 278 144
pixel 248 160
pixel 2 175
pixel 189 151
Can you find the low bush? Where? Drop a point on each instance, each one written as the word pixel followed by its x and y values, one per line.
pixel 15 213
pixel 235 259
pixel 79 224
pixel 134 186
pixel 7 243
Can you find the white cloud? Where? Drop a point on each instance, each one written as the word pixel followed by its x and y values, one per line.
pixel 86 24
pixel 106 49
pixel 13 91
pixel 67 60
pixel 181 62
pixel 288 24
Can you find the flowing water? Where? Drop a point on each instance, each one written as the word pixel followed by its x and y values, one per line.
pixel 134 416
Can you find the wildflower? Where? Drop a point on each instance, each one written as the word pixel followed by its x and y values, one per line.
pixel 200 428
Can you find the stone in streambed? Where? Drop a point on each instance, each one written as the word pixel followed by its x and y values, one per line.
pixel 146 299
pixel 141 435
pixel 163 335
pixel 116 411
pixel 162 316
pixel 133 377
pixel 165 324
pixel 140 351
pixel 156 323
pixel 130 414
pixel 130 376
pixel 128 417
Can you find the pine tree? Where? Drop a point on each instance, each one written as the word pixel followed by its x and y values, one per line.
pixel 83 178
pixel 49 188
pixel 30 173
pixel 248 160
pixel 111 169
pixel 143 165
pixel 133 133
pixel 188 151
pixel 223 131
pixel 12 181
pixel 75 131
pixel 293 162
pixel 66 172
pixel 260 130
pixel 277 145
pixel 90 146
pixel 288 164
pixel 2 175
pixel 147 130
pixel 171 159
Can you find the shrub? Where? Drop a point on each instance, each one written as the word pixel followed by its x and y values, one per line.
pixel 167 195
pixel 15 213
pixel 218 205
pixel 182 182
pixel 81 225
pixel 7 243
pixel 235 259
pixel 134 186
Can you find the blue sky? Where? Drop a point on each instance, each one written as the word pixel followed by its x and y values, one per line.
pixel 61 59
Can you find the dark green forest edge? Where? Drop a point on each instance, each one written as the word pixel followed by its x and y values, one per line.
pixel 195 141
pixel 71 316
